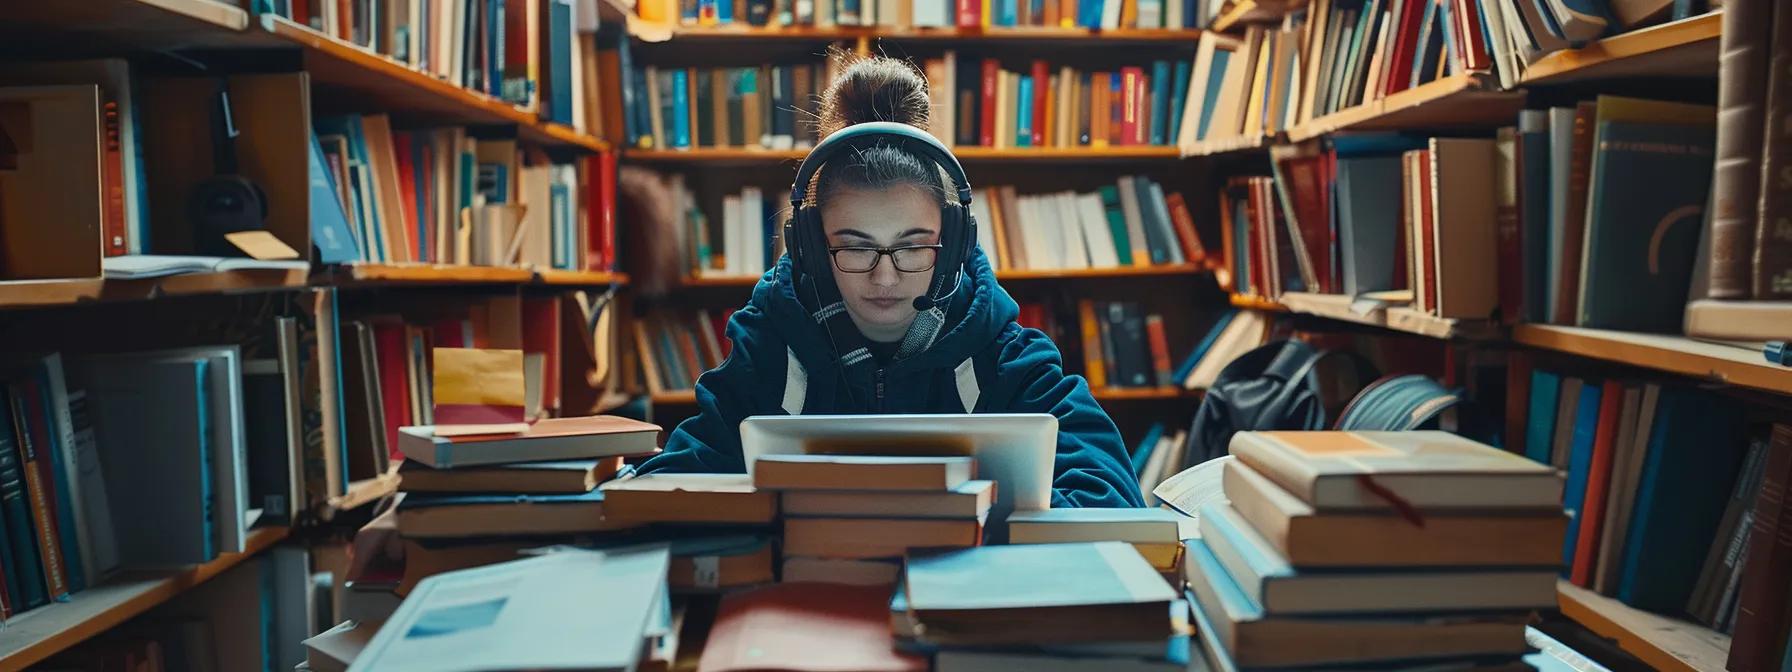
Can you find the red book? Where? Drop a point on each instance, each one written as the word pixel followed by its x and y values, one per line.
pixel 1160 348
pixel 970 15
pixel 600 222
pixel 407 193
pixel 1399 77
pixel 1185 228
pixel 1131 80
pixel 1308 194
pixel 1761 612
pixel 1042 101
pixel 1402 243
pixel 1471 44
pixel 40 484
pixel 451 334
pixel 389 348
pixel 986 127
pixel 806 627
pixel 541 333
pixel 1592 511
pixel 1427 233
pixel 113 185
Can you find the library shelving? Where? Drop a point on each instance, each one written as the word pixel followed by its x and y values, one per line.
pixel 1250 302
pixel 1717 362
pixel 40 633
pixel 653 32
pixel 1684 48
pixel 447 274
pixel 1238 12
pixel 1397 318
pixel 1457 101
pixel 1161 270
pixel 152 24
pixel 735 155
pixel 1666 644
pixel 45 293
pixel 1240 143
pixel 386 84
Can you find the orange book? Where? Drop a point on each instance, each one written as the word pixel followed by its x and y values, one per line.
pixel 1592 512
pixel 1160 348
pixel 1003 255
pixel 1185 228
pixel 1092 364
pixel 1099 109
pixel 801 627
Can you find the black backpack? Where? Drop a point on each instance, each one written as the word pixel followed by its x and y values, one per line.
pixel 1271 387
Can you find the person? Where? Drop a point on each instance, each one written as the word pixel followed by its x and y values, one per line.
pixel 957 349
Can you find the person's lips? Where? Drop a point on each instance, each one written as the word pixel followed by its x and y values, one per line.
pixel 884 302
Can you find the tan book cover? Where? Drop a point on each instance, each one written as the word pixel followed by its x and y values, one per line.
pixel 688 498
pixel 862 538
pixel 1462 189
pixel 1743 58
pixel 861 472
pixel 1427 469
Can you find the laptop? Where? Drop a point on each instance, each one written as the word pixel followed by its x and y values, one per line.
pixel 1016 450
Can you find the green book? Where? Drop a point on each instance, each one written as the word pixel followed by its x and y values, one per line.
pixel 1110 202
pixel 1645 205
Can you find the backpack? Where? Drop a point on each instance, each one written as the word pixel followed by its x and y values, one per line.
pixel 1398 404
pixel 1271 387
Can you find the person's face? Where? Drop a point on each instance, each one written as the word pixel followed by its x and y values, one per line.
pixel 881 301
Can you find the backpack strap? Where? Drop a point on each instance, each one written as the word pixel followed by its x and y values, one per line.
pixel 796 383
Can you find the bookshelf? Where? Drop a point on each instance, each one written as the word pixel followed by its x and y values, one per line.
pixel 1733 365
pixel 43 632
pixel 1250 302
pixel 1158 271
pixel 1241 143
pixel 47 293
pixel 1237 12
pixel 378 82
pixel 144 24
pixel 734 155
pixel 1684 48
pixel 1458 101
pixel 652 32
pixel 1396 318
pixel 1666 644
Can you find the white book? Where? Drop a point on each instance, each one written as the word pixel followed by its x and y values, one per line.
pixel 1065 219
pixel 1051 237
pixel 934 14
pixel 1160 216
pixel 948 119
pixel 986 228
pixel 1151 13
pixel 731 236
pixel 752 235
pixel 1135 221
pixel 1174 17
pixel 1102 253
pixel 1110 15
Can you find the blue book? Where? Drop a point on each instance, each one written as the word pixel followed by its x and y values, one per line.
pixel 560 226
pixel 1160 101
pixel 1695 450
pixel 1368 221
pixel 1533 211
pixel 1178 99
pixel 1210 98
pixel 725 12
pixel 207 490
pixel 330 230
pixel 989 581
pixel 1540 423
pixel 559 63
pixel 67 531
pixel 1206 343
pixel 1023 110
pixel 359 180
pixel 27 585
pixel 1580 463
pixel 1007 13
pixel 1142 453
pixel 680 121
pixel 494 47
pixel 1642 242
pixel 341 392
pixel 1446 22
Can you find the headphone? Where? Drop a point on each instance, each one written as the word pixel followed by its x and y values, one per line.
pixel 226 202
pixel 807 242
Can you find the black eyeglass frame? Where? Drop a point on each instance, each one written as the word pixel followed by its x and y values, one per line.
pixel 834 252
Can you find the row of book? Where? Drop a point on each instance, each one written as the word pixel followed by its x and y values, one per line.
pixel 1669 491
pixel 143 460
pixel 1750 256
pixel 1363 216
pixel 675 348
pixel 524 52
pixel 1330 56
pixel 1132 222
pixel 1095 14
pixel 744 241
pixel 979 102
pixel 769 106
pixel 443 196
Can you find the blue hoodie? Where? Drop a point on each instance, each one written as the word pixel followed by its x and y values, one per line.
pixel 1019 369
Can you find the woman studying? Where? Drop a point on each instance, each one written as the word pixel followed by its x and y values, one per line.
pixel 885 304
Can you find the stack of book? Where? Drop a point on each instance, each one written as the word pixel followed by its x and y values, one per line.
pixel 1374 548
pixel 1102 14
pixel 676 347
pixel 473 500
pixel 1068 606
pixel 850 518
pixel 1155 533
pixel 719 526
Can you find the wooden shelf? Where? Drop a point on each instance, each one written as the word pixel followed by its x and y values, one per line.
pixel 1666 644
pixel 649 32
pixel 1684 48
pixel 1238 143
pixel 1459 101
pixel 427 274
pixel 40 633
pixel 752 155
pixel 1238 12
pixel 1397 318
pixel 1712 361
pixel 579 278
pixel 47 293
pixel 1259 303
pixel 384 84
pixel 69 28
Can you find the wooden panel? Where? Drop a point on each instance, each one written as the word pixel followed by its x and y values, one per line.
pixel 578 278
pixel 37 294
pixel 1666 644
pixel 1684 48
pixel 162 25
pixel 42 632
pixel 1398 318
pixel 428 274
pixel 1712 361
pixel 1453 102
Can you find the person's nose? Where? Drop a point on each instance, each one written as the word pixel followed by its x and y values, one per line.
pixel 884 274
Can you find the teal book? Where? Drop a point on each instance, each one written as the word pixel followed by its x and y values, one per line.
pixel 1645 208
pixel 1089 591
pixel 1695 450
pixel 1023 110
pixel 1178 94
pixel 1369 202
pixel 1211 96
pixel 1580 464
pixel 680 119
pixel 24 571
pixel 1110 203
pixel 705 133
pixel 1540 425
pixel 1533 209
pixel 1160 101
pixel 68 533
pixel 330 230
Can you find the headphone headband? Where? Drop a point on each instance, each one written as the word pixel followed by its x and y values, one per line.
pixel 869 134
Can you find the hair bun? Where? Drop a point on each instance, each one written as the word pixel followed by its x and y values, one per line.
pixel 875 89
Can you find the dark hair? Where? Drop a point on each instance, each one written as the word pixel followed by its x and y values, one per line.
pixel 876 89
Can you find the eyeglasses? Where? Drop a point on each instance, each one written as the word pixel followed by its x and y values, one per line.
pixel 908 258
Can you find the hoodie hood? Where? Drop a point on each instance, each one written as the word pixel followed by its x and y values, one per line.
pixel 991 309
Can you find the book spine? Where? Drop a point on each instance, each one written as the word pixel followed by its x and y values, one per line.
pixel 1592 513
pixel 1773 228
pixel 26 572
pixel 1761 605
pixel 1743 54
pixel 1192 249
pixel 1506 226
pixel 1160 349
pixel 113 184
pixel 986 127
pixel 1093 368
pixel 1041 102
pixel 39 495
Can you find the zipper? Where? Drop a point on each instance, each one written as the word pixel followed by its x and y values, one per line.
pixel 878 388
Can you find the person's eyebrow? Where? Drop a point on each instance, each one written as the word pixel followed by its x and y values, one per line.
pixel 855 233
pixel 916 232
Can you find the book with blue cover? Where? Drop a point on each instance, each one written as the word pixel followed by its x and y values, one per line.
pixel 680 120
pixel 1580 463
pixel 991 595
pixel 1695 450
pixel 1369 203
pixel 1023 106
pixel 1642 242
pixel 1541 424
